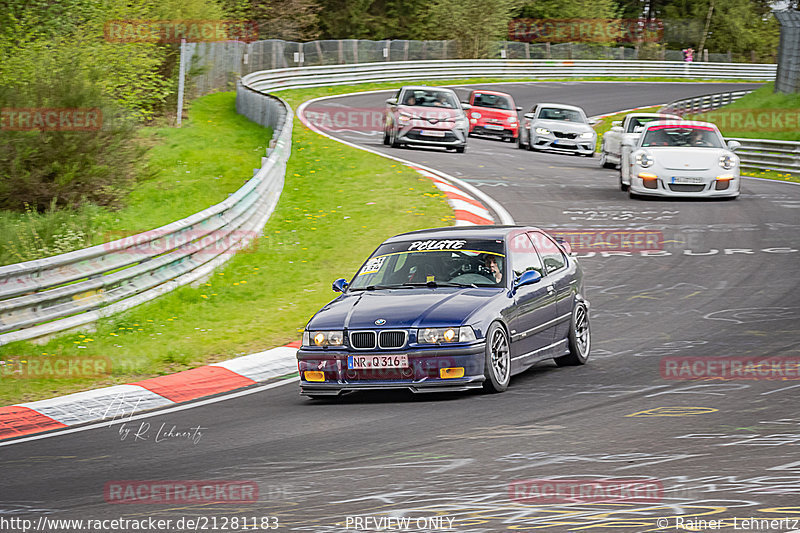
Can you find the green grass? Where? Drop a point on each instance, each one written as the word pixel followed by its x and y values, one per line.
pixel 778 113
pixel 196 166
pixel 337 205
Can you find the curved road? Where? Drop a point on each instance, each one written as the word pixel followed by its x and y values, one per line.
pixel 724 284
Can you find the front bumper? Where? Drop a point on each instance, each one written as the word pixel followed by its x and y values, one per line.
pixel 421 376
pixel 414 135
pixel 575 146
pixel 709 188
pixel 496 130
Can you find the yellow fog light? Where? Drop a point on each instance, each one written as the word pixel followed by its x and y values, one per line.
pixel 449 373
pixel 314 375
pixel 725 177
pixel 647 176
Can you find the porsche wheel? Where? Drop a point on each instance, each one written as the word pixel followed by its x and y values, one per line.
pixel 497 366
pixel 580 338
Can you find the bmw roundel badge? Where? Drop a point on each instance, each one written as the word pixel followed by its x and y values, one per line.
pixel 380 322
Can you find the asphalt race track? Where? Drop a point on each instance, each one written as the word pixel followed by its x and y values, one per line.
pixel 724 284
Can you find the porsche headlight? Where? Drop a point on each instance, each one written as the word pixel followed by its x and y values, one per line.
pixel 475 115
pixel 645 160
pixel 323 338
pixel 445 335
pixel 542 131
pixel 727 161
pixel 587 135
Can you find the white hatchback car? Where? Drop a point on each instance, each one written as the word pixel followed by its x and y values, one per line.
pixel 681 158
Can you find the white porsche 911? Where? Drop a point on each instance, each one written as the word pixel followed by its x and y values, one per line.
pixel 686 158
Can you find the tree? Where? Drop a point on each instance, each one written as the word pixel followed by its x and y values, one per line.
pixel 473 24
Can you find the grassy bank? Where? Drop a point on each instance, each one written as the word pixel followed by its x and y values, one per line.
pixel 338 204
pixel 190 169
pixel 762 114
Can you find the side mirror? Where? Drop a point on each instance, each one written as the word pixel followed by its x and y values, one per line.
pixel 391 101
pixel 617 129
pixel 616 123
pixel 628 142
pixel 593 121
pixel 527 278
pixel 465 107
pixel 530 116
pixel 734 145
pixel 519 108
pixel 340 285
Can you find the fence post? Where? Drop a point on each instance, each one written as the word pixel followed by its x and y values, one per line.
pixel 355 50
pixel 527 50
pixel 387 49
pixel 341 53
pixel 547 50
pixel 181 84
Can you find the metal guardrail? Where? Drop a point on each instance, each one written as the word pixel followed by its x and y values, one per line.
pixel 54 294
pixel 761 154
pixel 701 104
pixel 766 154
pixel 296 78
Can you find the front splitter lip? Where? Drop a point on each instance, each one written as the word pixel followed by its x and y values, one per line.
pixel 337 389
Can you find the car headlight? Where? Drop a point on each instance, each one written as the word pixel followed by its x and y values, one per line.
pixel 512 120
pixel 587 135
pixel 645 160
pixel 323 338
pixel 727 161
pixel 542 131
pixel 475 115
pixel 404 118
pixel 445 335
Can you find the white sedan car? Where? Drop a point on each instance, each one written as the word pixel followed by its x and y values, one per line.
pixel 685 158
pixel 560 127
pixel 628 129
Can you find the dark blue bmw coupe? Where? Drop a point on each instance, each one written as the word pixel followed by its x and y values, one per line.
pixel 449 309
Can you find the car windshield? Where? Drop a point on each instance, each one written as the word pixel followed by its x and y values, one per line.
pixel 637 124
pixel 433 263
pixel 557 113
pixel 493 101
pixel 429 98
pixel 673 135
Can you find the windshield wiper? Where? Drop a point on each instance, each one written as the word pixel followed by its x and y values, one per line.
pixel 375 287
pixel 434 284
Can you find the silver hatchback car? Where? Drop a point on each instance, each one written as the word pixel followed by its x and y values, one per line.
pixel 558 127
pixel 426 116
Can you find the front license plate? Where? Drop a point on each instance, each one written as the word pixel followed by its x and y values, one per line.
pixel 494 127
pixel 687 180
pixel 431 133
pixel 563 143
pixel 367 362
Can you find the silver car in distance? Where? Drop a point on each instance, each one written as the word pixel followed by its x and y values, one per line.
pixel 682 158
pixel 559 127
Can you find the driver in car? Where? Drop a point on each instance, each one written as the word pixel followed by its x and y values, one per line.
pixel 490 262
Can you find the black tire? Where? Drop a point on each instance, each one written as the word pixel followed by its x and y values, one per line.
pixel 461 149
pixel 580 338
pixel 385 137
pixel 622 186
pixel 393 139
pixel 497 361
pixel 589 155
pixel 520 144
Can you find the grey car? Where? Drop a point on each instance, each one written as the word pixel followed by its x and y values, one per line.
pixel 558 127
pixel 426 116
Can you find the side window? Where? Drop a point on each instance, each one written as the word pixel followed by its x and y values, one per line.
pixel 551 253
pixel 524 256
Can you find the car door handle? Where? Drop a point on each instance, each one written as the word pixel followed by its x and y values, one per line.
pixel 551 289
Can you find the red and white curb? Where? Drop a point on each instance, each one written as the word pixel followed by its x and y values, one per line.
pixel 121 401
pixel 467 209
